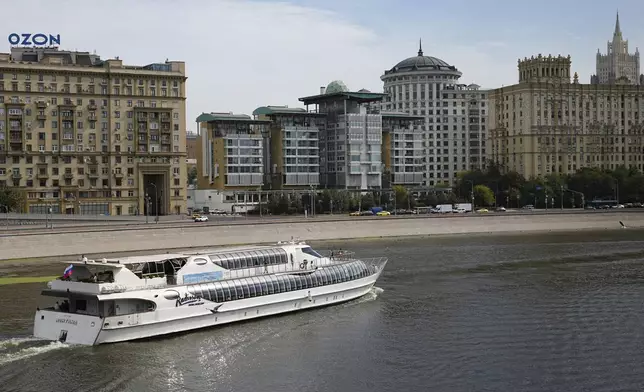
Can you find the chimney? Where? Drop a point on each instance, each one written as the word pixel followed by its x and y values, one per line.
pixel 322 90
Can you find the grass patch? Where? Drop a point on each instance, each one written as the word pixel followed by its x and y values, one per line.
pixel 25 279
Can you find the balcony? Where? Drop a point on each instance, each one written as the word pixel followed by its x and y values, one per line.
pixel 92 118
pixel 91 107
pixel 41 104
pixel 93 174
pixel 118 174
pixel 41 117
pixel 68 176
pixel 16 175
pixel 42 175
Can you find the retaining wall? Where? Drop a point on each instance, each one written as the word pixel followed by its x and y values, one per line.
pixel 74 244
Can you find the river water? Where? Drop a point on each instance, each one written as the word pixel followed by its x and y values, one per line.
pixel 469 313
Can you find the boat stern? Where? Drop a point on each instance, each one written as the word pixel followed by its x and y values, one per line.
pixel 66 327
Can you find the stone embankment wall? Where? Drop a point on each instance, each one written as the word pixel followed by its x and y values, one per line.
pixel 102 242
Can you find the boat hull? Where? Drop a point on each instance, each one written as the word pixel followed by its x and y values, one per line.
pixel 88 330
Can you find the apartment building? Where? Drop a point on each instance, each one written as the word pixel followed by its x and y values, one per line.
pixel 293 151
pixel 548 124
pixel 81 135
pixel 231 159
pixel 454 130
pixel 402 150
pixel 351 141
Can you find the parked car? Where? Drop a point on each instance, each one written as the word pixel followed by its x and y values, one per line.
pixel 482 210
pixel 383 213
pixel 500 209
pixel 201 218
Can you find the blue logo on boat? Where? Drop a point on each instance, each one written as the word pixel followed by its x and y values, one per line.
pixel 203 277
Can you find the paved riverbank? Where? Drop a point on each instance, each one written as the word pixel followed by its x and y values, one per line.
pixel 103 242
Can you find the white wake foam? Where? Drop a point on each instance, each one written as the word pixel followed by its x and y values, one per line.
pixel 13 342
pixel 29 352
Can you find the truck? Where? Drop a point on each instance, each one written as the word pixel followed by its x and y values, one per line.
pixel 442 209
pixel 463 207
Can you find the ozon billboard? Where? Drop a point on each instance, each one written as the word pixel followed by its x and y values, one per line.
pixel 31 39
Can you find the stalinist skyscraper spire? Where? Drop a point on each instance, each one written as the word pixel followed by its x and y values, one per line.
pixel 617 65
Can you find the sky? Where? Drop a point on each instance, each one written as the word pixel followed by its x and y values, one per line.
pixel 242 54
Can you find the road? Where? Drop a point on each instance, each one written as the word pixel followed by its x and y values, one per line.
pixel 94 226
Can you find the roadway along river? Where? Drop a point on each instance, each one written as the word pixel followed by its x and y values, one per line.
pixel 527 313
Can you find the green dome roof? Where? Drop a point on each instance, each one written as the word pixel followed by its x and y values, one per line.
pixel 337 86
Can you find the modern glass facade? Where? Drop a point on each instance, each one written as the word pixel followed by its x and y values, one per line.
pixel 301 160
pixel 244 157
pixel 262 285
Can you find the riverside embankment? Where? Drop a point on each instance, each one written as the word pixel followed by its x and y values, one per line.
pixel 96 242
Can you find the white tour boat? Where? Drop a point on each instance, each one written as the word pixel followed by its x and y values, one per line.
pixel 138 297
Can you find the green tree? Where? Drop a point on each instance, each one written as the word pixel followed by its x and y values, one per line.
pixel 483 195
pixel 192 175
pixel 366 201
pixel 11 199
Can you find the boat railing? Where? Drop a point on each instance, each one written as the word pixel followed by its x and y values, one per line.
pixel 341 255
pixel 376 263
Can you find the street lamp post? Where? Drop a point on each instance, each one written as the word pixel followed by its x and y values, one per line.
pixel 472 184
pixel 147 207
pixel 156 202
pixel 616 190
pixel 562 189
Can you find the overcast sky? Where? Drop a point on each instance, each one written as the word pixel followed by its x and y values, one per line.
pixel 243 54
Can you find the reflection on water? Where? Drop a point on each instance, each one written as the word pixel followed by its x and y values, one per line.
pixel 529 313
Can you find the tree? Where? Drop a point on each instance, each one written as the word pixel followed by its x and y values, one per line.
pixel 192 175
pixel 401 195
pixel 11 199
pixel 483 195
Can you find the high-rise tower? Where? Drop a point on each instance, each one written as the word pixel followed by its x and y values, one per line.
pixel 617 65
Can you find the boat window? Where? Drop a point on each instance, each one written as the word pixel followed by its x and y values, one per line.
pixel 283 256
pixel 271 285
pixel 258 286
pixel 239 289
pixel 223 260
pixel 215 259
pixel 207 291
pixel 261 257
pixel 334 275
pixel 272 258
pixel 261 285
pixel 298 282
pixel 258 258
pixel 226 291
pixel 245 288
pixel 326 276
pixel 282 283
pixel 251 288
pixel 309 251
pixel 243 260
pixel 264 257
pixel 309 281
pixel 217 292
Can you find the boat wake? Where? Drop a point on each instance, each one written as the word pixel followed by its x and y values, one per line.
pixel 16 349
pixel 372 295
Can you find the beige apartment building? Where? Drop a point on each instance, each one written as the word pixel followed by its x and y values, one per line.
pixel 81 135
pixel 549 124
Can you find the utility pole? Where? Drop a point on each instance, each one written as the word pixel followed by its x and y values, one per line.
pixel 562 197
